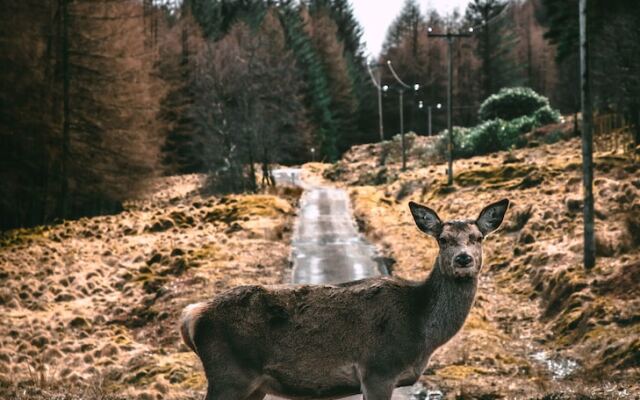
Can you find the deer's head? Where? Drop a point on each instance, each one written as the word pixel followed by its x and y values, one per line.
pixel 460 242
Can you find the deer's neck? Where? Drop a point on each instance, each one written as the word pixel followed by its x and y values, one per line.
pixel 445 303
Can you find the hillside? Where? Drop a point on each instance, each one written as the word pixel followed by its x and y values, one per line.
pixel 89 308
pixel 541 323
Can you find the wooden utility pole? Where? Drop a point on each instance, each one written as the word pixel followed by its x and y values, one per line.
pixel 378 84
pixel 449 37
pixel 380 121
pixel 587 143
pixel 401 90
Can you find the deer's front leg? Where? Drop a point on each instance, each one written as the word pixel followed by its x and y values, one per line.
pixel 376 387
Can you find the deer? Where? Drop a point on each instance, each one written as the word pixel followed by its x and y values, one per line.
pixel 332 341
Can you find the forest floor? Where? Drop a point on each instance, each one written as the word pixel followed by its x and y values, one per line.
pixel 542 326
pixel 89 308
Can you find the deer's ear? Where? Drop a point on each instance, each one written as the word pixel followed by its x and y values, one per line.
pixel 426 219
pixel 491 217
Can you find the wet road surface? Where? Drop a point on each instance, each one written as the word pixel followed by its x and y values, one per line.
pixel 326 245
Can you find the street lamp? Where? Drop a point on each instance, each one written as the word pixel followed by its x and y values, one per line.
pixel 421 106
pixel 313 154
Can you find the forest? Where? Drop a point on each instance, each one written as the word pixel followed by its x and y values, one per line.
pixel 99 97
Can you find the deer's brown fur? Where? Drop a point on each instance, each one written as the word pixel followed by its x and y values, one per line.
pixel 330 341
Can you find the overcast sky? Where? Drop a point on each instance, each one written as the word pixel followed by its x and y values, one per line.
pixel 376 16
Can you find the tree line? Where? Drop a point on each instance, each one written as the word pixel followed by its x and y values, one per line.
pixel 99 97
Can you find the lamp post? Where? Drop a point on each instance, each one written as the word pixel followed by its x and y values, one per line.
pixel 421 106
pixel 313 154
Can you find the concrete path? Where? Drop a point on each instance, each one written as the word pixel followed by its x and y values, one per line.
pixel 327 247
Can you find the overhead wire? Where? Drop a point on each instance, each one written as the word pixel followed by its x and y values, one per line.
pixel 393 71
pixel 373 79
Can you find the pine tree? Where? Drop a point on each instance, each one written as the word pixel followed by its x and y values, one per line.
pixel 496 43
pixel 317 94
pixel 363 128
pixel 324 36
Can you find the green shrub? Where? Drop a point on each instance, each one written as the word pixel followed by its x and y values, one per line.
pixel 508 116
pixel 459 135
pixel 486 137
pixel 546 115
pixel 511 103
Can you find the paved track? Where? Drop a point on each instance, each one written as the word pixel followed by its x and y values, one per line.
pixel 326 245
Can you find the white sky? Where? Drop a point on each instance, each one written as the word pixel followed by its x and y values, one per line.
pixel 375 16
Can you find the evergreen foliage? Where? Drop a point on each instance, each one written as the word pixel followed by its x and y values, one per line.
pixel 496 41
pixel 510 103
pixel 507 116
pixel 318 97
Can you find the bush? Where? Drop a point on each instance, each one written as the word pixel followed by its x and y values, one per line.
pixel 459 137
pixel 511 103
pixel 507 116
pixel 488 137
pixel 546 115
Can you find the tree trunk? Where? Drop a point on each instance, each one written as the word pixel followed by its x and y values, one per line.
pixel 66 139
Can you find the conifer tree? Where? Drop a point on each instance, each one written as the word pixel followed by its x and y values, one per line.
pixel 317 94
pixel 495 45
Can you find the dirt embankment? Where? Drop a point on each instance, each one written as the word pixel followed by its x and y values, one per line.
pixel 541 323
pixel 89 308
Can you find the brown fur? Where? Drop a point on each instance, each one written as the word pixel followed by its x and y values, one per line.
pixel 331 341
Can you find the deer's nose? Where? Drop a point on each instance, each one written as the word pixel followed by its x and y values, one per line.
pixel 463 259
